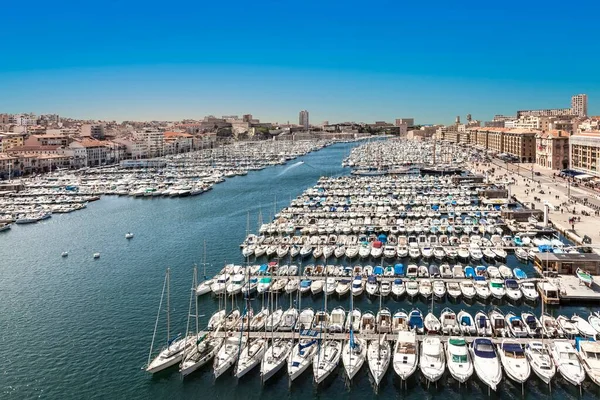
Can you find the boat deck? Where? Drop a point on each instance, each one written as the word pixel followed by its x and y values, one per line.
pixel 572 290
pixel 370 336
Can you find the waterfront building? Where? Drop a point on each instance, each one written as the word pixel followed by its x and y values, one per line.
pixel 303 119
pixel 154 140
pixel 552 149
pixel 584 150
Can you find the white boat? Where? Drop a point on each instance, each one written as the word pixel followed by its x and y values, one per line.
pixel 378 358
pixel 512 289
pixel 550 326
pixel 467 289
pixel 514 361
pixel 432 323
pixel 589 353
pixel 482 289
pixel 584 327
pixel 65 254
pixel 412 288
pixel 449 323
pixel 301 356
pixel 235 285
pixel 220 283
pixel 385 288
pixel 305 319
pixel 439 289
pixel 343 287
pixel 533 326
pixel 129 235
pixel 216 320
pixel 383 321
pixel 515 325
pixel 406 353
pixel 567 326
pixel 497 288
pixel 316 286
pixel 483 324
pixel 425 288
pixel 541 362
pixel 400 321
pixel 466 323
pixel 353 355
pixel 330 286
pixel 505 272
pixel 351 252
pixel 567 362
pixel 367 322
pixel 321 321
pixel 288 320
pixel 454 290
pixel 326 360
pixel 228 354
pixel 529 291
pixel 364 251
pixel 372 286
pixel 173 352
pixel 200 353
pixel 292 285
pixel 96 255
pixel 275 358
pixel 204 287
pixel 486 362
pixel 353 320
pixel 498 323
pixel 432 360
pixel 398 288
pixel 358 286
pixel 594 321
pixel 250 356
pixel 273 320
pixel 458 358
pixel 337 320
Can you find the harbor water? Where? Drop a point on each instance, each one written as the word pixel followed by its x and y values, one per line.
pixel 79 328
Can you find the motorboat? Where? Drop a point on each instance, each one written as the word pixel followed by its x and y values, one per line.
pixel 275 358
pixel 321 321
pixel 232 320
pixel 513 291
pixel 567 362
pixel 432 359
pixel 367 322
pixel 264 284
pixel 486 362
pixel 326 360
pixel 529 291
pixel 454 290
pixel 204 287
pixel 354 354
pixel 514 360
pixel 301 357
pixel 378 358
pixel 467 289
pixel 533 326
pixel 584 277
pixel 458 358
pixel 466 323
pixel 550 326
pixel 432 323
pixel 445 271
pixel 337 320
pixel 594 321
pixel 567 326
pixel 449 322
pixel 372 286
pixel 584 327
pixel 405 354
pixel 305 319
pixel 353 320
pixel 288 320
pixel 439 289
pixel 425 288
pixel 216 320
pixel 228 354
pixel 540 361
pixel 497 288
pixel 589 353
pixel 400 321
pixel 250 356
pixel 330 286
pixel 515 325
pixel 343 287
pixel 358 286
pixel 398 288
pixel 498 323
pixel 273 320
pixel 412 288
pixel 235 285
pixel 505 272
pixel 305 285
pixel 483 324
pixel 415 320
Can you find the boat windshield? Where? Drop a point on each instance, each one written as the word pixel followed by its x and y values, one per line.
pixel 568 356
pixel 459 358
pixel 592 355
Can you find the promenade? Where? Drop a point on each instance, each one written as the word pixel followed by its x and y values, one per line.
pixel 555 192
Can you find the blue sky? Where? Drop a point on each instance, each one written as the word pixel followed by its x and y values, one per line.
pixel 341 60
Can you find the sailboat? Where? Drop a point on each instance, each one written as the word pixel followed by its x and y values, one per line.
pixel 253 353
pixel 172 353
pixel 276 355
pixel 205 286
pixel 379 354
pixel 206 345
pixel 355 350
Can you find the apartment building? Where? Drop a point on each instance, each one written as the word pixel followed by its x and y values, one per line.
pixel 584 150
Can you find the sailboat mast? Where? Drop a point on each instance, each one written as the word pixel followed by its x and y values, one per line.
pixel 162 295
pixel 168 304
pixel 194 285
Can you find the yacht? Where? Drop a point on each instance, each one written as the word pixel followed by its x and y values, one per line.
pixel 228 354
pixel 326 360
pixel 486 362
pixel 405 354
pixel 206 347
pixel 432 359
pixel 353 355
pixel 541 363
pixel 514 361
pixel 301 357
pixel 567 363
pixel 250 356
pixel 275 358
pixel 378 358
pixel 459 359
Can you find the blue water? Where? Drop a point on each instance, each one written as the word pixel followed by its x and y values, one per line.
pixel 75 327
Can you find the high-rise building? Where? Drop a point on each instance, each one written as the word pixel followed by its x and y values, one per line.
pixel 579 105
pixel 303 119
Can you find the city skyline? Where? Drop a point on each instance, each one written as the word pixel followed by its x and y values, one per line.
pixel 161 65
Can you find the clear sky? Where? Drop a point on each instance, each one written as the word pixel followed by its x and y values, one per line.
pixel 341 60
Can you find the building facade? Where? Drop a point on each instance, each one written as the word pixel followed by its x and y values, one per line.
pixel 584 150
pixel 303 119
pixel 579 105
pixel 552 149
